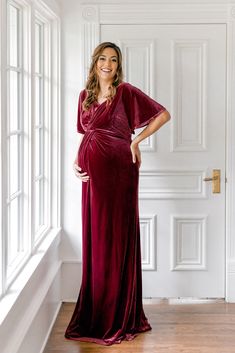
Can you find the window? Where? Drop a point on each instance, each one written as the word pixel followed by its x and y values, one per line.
pixel 30 130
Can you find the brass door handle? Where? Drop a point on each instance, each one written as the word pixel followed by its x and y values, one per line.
pixel 215 181
pixel 211 179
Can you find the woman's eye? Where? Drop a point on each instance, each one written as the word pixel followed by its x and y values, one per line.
pixel 101 58
pixel 114 60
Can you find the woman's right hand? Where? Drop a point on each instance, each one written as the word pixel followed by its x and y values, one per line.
pixel 78 172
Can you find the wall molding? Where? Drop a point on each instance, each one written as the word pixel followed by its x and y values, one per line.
pixel 148 237
pixel 149 144
pixel 179 142
pixel 172 184
pixel 162 13
pixel 183 258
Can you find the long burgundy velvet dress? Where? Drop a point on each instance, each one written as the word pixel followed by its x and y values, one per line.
pixel 109 307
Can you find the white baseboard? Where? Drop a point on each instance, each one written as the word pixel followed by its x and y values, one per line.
pixel 230 280
pixel 71 274
pixel 182 301
pixel 50 327
pixel 41 325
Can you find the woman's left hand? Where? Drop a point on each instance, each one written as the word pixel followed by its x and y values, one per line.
pixel 135 151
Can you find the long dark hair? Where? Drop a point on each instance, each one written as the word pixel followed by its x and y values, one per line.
pixel 92 84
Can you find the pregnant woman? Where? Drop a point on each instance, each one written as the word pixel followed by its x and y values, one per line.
pixel 109 307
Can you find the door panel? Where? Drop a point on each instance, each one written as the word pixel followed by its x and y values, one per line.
pixel 182 221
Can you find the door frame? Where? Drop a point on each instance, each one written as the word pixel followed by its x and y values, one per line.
pixel 96 14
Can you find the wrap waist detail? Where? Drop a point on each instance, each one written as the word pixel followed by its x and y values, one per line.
pixel 106 132
pixel 101 142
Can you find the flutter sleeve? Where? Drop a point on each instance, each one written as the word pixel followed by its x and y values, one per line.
pixel 141 108
pixel 79 112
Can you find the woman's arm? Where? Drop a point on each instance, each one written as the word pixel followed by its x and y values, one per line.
pixel 152 127
pixel 76 168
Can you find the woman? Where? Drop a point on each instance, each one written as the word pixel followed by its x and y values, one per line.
pixel 109 308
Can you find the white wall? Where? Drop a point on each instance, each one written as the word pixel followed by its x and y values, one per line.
pixel 71 193
pixel 71 86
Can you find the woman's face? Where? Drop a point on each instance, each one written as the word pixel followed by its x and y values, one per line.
pixel 107 64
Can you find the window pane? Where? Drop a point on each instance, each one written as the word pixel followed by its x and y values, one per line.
pixel 38 100
pixel 41 191
pixel 14 231
pixel 13 35
pixel 37 153
pixel 36 208
pixel 38 48
pixel 14 100
pixel 39 203
pixel 14 163
pixel 42 155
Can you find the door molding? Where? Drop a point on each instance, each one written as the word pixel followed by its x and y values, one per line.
pixel 94 15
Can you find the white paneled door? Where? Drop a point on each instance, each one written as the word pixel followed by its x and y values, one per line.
pixel 182 220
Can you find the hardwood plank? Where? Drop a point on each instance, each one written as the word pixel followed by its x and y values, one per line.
pixel 187 328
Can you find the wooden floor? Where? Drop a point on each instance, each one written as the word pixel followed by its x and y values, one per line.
pixel 176 328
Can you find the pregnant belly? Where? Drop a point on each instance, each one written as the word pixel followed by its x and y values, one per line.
pixel 105 156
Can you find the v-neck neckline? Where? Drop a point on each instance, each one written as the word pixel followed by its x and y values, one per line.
pixel 99 104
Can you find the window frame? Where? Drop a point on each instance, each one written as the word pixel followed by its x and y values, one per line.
pixel 31 10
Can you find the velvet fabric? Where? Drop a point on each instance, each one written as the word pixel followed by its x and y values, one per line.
pixel 109 307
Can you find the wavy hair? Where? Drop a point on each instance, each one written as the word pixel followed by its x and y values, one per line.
pixel 92 85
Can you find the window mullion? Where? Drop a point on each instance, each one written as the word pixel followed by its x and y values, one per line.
pixel 15 69
pixel 15 132
pixel 38 74
pixel 12 197
pixel 39 177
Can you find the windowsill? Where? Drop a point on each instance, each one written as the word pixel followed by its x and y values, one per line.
pixel 9 299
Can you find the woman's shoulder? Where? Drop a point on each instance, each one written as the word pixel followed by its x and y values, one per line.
pixel 126 85
pixel 131 91
pixel 129 87
pixel 82 94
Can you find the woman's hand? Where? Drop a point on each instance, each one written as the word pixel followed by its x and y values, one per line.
pixel 136 154
pixel 83 176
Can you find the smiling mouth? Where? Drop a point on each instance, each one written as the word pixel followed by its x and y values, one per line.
pixel 106 70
